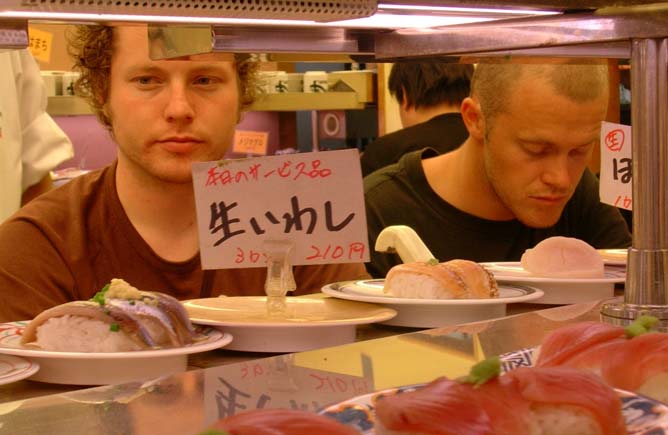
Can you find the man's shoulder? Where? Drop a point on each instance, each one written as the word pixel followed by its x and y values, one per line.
pixel 76 197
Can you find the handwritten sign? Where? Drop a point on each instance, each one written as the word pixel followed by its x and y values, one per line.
pixel 276 383
pixel 314 200
pixel 40 44
pixel 250 142
pixel 616 166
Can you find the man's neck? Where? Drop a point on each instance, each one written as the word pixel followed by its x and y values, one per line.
pixel 458 177
pixel 163 213
pixel 424 114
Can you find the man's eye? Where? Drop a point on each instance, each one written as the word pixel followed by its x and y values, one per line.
pixel 536 151
pixel 145 80
pixel 204 80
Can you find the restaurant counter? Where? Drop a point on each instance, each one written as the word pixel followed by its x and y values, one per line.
pixel 223 382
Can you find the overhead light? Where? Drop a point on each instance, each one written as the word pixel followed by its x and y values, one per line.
pixel 363 14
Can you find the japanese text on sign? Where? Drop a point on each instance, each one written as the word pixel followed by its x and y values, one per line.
pixel 274 384
pixel 40 44
pixel 313 199
pixel 616 165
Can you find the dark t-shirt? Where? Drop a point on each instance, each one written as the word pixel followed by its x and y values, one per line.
pixel 68 243
pixel 443 133
pixel 400 195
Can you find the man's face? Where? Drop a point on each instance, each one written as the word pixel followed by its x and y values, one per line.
pixel 167 114
pixel 536 151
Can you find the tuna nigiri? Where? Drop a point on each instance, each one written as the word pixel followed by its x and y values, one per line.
pixel 279 422
pixel 629 358
pixel 524 401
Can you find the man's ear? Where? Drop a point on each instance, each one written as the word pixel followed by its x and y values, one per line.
pixel 473 119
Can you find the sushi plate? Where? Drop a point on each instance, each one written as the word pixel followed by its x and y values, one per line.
pixel 297 324
pixel 560 290
pixel 643 415
pixel 103 368
pixel 14 368
pixel 432 313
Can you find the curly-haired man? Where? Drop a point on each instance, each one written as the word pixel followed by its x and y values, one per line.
pixel 136 218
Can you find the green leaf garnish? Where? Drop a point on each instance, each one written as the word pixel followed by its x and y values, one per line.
pixel 99 296
pixel 432 262
pixel 484 371
pixel 114 327
pixel 641 325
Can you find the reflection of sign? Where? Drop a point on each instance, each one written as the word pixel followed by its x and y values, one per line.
pixel 40 44
pixel 616 166
pixel 276 383
pixel 250 142
pixel 314 200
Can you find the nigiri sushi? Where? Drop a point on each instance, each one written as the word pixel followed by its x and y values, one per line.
pixel 525 401
pixel 563 257
pixel 119 318
pixel 279 422
pixel 631 358
pixel 455 279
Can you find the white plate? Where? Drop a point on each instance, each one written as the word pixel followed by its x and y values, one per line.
pixel 303 324
pixel 14 368
pixel 643 415
pixel 431 313
pixel 614 257
pixel 101 368
pixel 560 290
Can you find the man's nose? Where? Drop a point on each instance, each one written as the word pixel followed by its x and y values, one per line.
pixel 179 107
pixel 557 172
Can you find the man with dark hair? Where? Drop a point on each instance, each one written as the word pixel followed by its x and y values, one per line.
pixel 429 95
pixel 136 218
pixel 520 176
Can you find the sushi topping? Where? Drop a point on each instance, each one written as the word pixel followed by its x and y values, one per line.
pixel 114 327
pixel 483 371
pixel 99 296
pixel 642 325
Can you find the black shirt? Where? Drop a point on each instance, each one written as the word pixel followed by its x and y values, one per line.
pixel 400 195
pixel 443 133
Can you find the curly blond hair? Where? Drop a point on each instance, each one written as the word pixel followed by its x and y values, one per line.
pixel 92 47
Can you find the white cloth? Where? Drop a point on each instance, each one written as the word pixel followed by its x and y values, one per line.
pixel 31 143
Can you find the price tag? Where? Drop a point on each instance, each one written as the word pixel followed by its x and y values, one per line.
pixel 250 142
pixel 314 200
pixel 616 166
pixel 40 44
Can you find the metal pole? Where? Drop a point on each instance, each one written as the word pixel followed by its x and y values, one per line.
pixel 646 290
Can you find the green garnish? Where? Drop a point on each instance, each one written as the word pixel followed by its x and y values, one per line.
pixel 484 371
pixel 641 325
pixel 432 262
pixel 214 432
pixel 114 327
pixel 99 296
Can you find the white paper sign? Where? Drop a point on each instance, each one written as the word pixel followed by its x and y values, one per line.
pixel 616 166
pixel 315 200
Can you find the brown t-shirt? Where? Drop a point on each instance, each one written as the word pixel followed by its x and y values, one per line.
pixel 67 244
